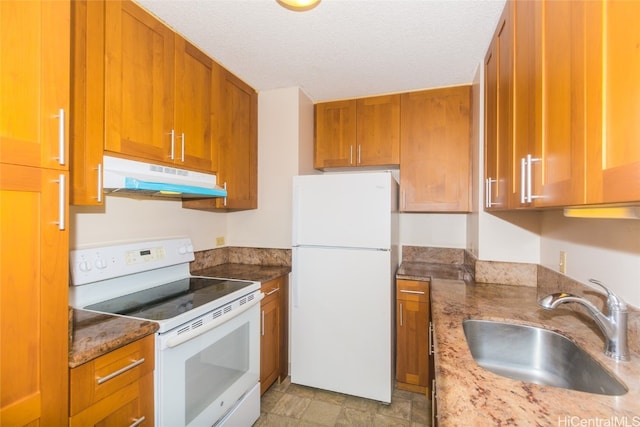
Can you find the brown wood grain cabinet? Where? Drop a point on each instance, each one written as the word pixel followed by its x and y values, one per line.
pixel 559 106
pixel 115 389
pixel 236 127
pixel 357 132
pixel 412 335
pixel 34 136
pixel 139 90
pixel 435 150
pixel 274 348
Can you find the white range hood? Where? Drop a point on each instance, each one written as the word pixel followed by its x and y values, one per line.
pixel 122 176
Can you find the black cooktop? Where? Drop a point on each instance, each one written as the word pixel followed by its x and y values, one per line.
pixel 169 300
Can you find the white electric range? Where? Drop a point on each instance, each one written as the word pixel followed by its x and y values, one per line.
pixel 208 342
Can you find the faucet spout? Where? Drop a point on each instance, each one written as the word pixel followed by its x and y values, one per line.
pixel 613 326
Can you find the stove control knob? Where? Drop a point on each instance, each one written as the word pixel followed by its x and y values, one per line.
pixel 101 264
pixel 185 249
pixel 84 266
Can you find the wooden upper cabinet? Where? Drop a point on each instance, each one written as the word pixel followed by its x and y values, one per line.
pixel 87 102
pixel 498 89
pixel 558 176
pixel 378 131
pixel 34 83
pixel 435 150
pixel 614 157
pixel 358 132
pixel 139 83
pixel 335 139
pixel 194 107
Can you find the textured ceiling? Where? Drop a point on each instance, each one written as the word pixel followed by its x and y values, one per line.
pixel 342 48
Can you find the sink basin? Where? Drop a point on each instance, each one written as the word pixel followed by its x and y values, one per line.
pixel 537 356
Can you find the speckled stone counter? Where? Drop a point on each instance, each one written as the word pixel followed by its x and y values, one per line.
pixel 254 272
pixel 95 334
pixel 469 395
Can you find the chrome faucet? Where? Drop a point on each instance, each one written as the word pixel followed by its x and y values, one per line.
pixel 613 326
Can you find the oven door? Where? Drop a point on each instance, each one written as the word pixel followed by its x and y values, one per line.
pixel 200 379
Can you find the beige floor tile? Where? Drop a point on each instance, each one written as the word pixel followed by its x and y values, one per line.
pixel 386 421
pixel 291 406
pixel 399 408
pixel 352 417
pixel 322 413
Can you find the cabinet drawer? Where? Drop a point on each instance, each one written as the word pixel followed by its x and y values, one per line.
pixel 412 290
pixel 107 374
pixel 271 290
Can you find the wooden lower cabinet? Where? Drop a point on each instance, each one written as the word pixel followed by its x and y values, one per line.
pixel 115 389
pixel 412 335
pixel 273 332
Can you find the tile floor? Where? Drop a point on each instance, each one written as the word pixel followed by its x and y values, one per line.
pixel 287 404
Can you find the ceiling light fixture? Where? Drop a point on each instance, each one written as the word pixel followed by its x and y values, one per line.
pixel 298 5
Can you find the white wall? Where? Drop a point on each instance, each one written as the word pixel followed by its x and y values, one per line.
pixel 126 219
pixel 285 117
pixel 603 249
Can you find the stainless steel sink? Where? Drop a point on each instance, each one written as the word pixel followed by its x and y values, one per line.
pixel 537 356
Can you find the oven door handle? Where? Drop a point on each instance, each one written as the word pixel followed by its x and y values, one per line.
pixel 182 338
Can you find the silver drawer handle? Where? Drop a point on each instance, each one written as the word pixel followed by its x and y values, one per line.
pixel 273 291
pixel 137 421
pixel 120 371
pixel 404 291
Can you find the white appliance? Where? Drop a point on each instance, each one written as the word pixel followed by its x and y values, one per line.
pixel 208 342
pixel 344 258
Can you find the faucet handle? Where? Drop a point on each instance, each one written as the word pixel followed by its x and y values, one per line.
pixel 613 300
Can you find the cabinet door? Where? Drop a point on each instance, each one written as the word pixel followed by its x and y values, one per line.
pixel 378 131
pixel 614 168
pixel 559 178
pixel 435 150
pixel 139 77
pixel 412 326
pixel 238 144
pixel 130 405
pixel 87 102
pixel 335 138
pixel 33 297
pixel 270 339
pixel 34 83
pixel 194 107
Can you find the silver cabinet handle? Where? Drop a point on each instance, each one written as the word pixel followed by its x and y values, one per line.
pixel 523 178
pixel 529 194
pixel 182 157
pixel 272 291
pixel 99 182
pixel 359 151
pixel 262 322
pixel 112 375
pixel 488 203
pixel 351 154
pixel 406 291
pixel 431 339
pixel 61 202
pixel 137 421
pixel 61 138
pixel 401 310
pixel 173 144
pixel 224 201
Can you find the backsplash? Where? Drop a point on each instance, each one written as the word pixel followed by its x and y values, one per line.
pixel 241 255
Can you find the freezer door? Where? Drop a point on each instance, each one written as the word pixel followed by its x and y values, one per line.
pixel 348 210
pixel 341 321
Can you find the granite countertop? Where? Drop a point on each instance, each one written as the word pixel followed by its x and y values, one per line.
pixel 254 272
pixel 472 396
pixel 95 334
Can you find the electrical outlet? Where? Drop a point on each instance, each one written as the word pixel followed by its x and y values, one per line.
pixel 563 262
pixel 220 241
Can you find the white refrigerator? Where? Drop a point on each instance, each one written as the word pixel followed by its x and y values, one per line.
pixel 344 259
